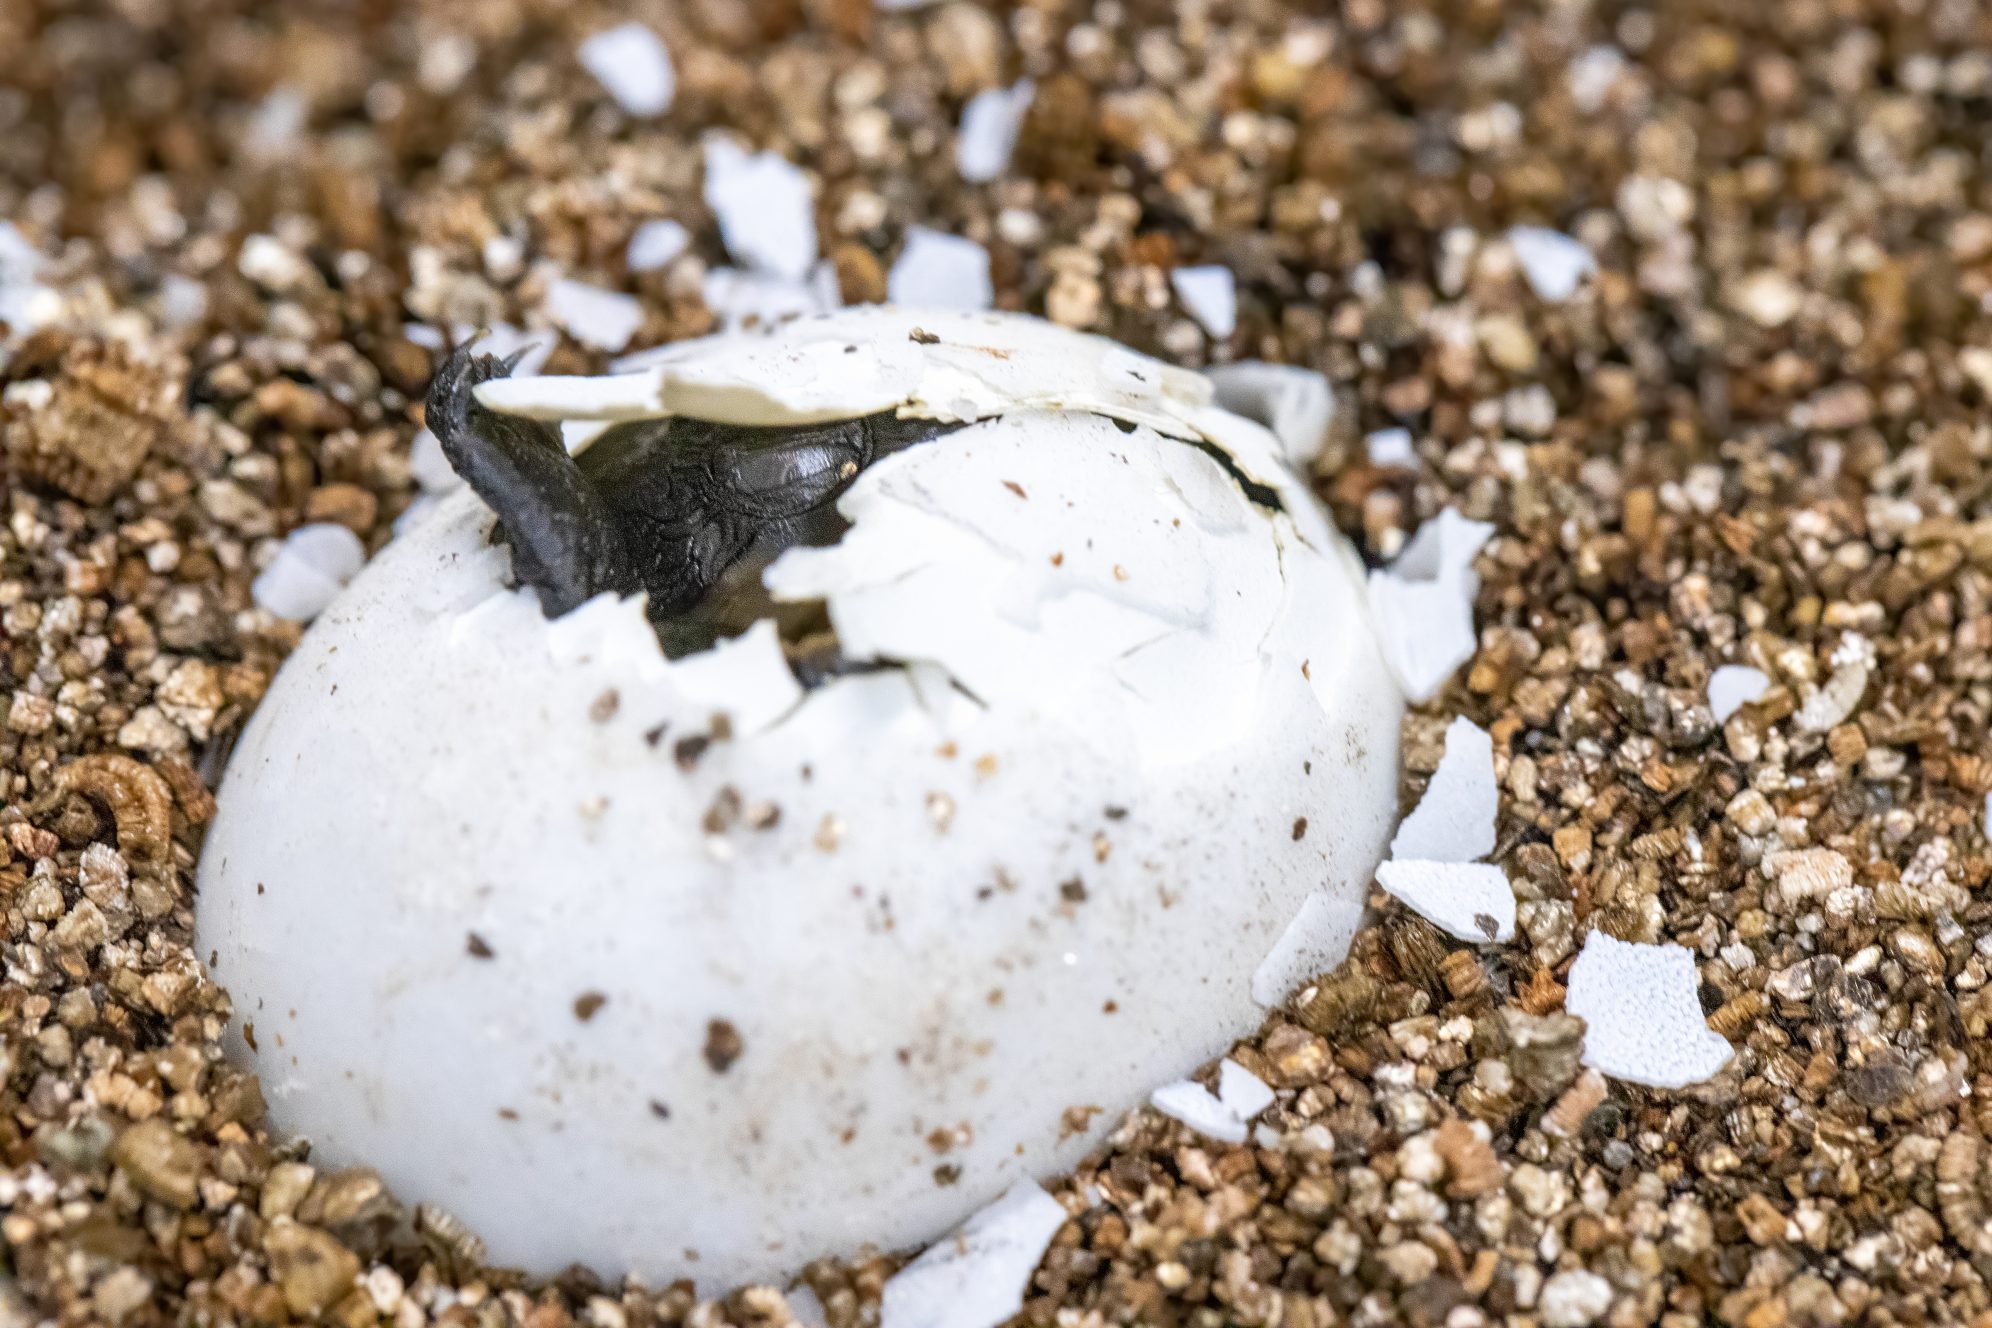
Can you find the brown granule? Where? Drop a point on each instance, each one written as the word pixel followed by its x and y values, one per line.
pixel 723 1045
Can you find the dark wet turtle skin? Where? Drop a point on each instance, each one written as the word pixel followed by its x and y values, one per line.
pixel 669 507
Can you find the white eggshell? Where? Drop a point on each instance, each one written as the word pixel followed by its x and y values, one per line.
pixel 1454 821
pixel 1642 1013
pixel 1028 864
pixel 1470 900
pixel 931 363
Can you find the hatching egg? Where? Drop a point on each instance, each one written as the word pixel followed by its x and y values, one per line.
pixel 1006 701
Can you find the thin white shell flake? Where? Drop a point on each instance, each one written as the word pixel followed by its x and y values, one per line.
pixel 742 297
pixel 25 305
pixel 1295 403
pixel 1734 686
pixel 1454 821
pixel 989 126
pixel 312 565
pixel 656 244
pixel 1243 1093
pixel 631 62
pixel 1424 602
pixel 1390 447
pixel 1194 1105
pixel 767 217
pixel 1047 594
pixel 1224 1115
pixel 1210 294
pixel 1642 1013
pixel 976 1277
pixel 604 319
pixel 1317 937
pixel 932 364
pixel 940 271
pixel 1554 264
pixel 1471 900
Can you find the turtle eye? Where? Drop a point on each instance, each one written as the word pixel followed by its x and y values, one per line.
pixel 790 476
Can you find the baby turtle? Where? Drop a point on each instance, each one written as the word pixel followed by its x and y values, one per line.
pixel 677 508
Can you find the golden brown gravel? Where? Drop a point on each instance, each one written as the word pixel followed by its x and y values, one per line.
pixel 1758 436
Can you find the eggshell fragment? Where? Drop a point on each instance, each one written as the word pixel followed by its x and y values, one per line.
pixel 1642 1013
pixel 1390 447
pixel 736 942
pixel 976 1277
pixel 940 271
pixel 1210 293
pixel 1424 602
pixel 1454 821
pixel 1197 1107
pixel 1222 1116
pixel 763 203
pixel 1243 1093
pixel 1554 264
pixel 25 304
pixel 656 244
pixel 742 297
pixel 1470 900
pixel 630 60
pixel 1295 403
pixel 989 127
pixel 1734 686
pixel 931 364
pixel 311 566
pixel 1318 936
pixel 604 319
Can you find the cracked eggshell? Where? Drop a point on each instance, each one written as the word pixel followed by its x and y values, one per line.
pixel 621 958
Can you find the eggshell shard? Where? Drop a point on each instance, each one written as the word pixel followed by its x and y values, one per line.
pixel 742 297
pixel 25 304
pixel 1312 943
pixel 604 319
pixel 1424 602
pixel 941 271
pixel 1554 263
pixel 1642 1013
pixel 1454 821
pixel 631 63
pixel 1296 404
pixel 657 244
pixel 990 123
pixel 763 204
pixel 311 566
pixel 1734 686
pixel 1470 900
pixel 1243 1093
pixel 1391 448
pixel 619 957
pixel 976 1277
pixel 1197 1107
pixel 1210 294
pixel 1223 1115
